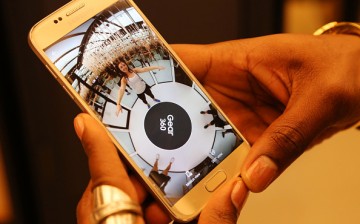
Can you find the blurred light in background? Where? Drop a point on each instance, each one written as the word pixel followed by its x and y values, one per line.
pixel 6 215
pixel 306 16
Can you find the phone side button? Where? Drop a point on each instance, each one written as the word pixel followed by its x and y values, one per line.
pixel 215 181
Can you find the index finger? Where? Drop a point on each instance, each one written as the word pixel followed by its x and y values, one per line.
pixel 195 56
pixel 105 165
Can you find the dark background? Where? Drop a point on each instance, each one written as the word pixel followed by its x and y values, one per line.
pixel 45 163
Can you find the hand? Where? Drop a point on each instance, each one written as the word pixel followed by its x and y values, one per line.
pixel 106 168
pixel 284 92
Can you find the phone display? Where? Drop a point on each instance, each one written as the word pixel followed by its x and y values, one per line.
pixel 162 120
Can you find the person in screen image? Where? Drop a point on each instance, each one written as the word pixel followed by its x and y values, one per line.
pixel 161 178
pixel 217 121
pixel 131 78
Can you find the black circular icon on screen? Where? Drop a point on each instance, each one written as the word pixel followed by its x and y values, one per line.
pixel 167 125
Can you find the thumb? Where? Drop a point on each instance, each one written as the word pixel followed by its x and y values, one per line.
pixel 281 143
pixel 225 204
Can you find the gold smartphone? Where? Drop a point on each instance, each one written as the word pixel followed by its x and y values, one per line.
pixel 115 65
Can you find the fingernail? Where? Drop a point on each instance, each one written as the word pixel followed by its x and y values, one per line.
pixel 261 173
pixel 79 126
pixel 239 195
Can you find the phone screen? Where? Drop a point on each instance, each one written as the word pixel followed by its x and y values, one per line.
pixel 157 113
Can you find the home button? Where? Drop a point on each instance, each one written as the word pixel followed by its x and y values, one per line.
pixel 215 181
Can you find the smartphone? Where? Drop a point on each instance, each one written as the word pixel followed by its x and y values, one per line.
pixel 116 66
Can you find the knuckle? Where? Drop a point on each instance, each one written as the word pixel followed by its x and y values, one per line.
pixel 222 216
pixel 290 140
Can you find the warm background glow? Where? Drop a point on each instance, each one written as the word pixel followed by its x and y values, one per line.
pixel 305 16
pixel 5 202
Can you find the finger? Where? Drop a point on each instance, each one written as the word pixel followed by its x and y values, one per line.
pixel 281 143
pixel 105 165
pixel 154 214
pixel 225 205
pixel 84 207
pixel 140 189
pixel 196 58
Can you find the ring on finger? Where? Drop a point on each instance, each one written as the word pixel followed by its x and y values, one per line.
pixel 112 205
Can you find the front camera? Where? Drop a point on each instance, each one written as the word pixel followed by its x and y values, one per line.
pixel 56 21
